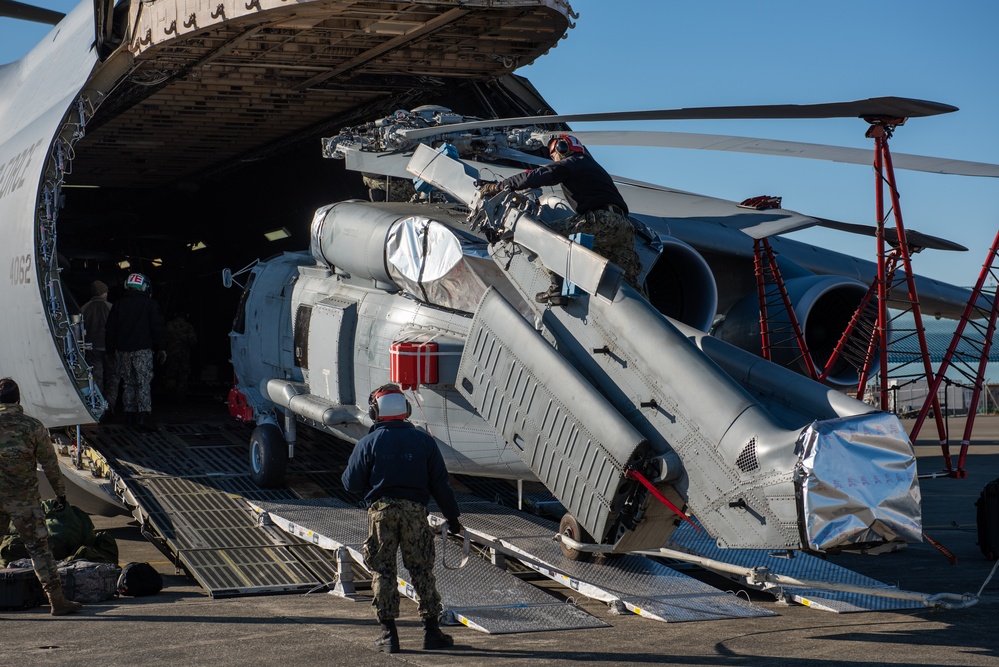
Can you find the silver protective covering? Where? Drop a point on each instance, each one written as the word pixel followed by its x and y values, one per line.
pixel 844 507
pixel 428 260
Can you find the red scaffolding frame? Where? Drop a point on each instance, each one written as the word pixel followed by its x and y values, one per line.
pixel 983 347
pixel 771 290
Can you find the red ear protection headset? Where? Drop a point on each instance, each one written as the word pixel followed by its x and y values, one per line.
pixel 564 144
pixel 388 403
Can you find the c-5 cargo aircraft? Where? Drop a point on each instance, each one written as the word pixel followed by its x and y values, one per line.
pixel 173 136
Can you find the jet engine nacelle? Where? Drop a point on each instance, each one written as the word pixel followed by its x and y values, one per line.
pixel 823 306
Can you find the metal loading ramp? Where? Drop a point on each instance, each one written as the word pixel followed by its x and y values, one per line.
pixel 184 483
pixel 479 595
pixel 803 566
pixel 627 582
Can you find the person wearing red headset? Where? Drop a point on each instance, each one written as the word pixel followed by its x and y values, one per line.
pixel 600 209
pixel 398 467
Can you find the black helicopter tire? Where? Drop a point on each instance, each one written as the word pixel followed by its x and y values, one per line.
pixel 569 527
pixel 268 456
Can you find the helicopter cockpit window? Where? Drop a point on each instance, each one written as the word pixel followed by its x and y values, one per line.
pixel 239 324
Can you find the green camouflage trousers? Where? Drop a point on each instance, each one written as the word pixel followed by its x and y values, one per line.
pixel 398 189
pixel 25 512
pixel 136 371
pixel 394 524
pixel 613 238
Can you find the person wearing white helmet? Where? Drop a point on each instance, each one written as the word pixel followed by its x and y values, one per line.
pixel 398 467
pixel 136 335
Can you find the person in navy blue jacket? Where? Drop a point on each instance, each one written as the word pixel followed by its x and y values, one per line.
pixel 600 209
pixel 398 467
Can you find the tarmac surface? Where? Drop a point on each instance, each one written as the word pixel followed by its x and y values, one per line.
pixel 184 626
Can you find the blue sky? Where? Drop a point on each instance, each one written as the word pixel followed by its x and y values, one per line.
pixel 646 54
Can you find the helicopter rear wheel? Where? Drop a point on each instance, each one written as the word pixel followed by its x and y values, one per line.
pixel 569 527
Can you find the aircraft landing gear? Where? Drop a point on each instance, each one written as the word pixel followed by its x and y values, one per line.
pixel 569 527
pixel 268 456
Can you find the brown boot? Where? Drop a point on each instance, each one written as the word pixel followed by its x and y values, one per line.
pixel 60 605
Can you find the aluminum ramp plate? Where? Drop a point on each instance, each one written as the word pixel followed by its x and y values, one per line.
pixel 218 540
pixel 803 566
pixel 479 595
pixel 182 480
pixel 636 583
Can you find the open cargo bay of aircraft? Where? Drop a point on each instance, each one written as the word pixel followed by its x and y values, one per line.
pixel 654 419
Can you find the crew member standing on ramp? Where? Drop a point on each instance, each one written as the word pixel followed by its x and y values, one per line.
pixel 398 467
pixel 136 335
pixel 24 443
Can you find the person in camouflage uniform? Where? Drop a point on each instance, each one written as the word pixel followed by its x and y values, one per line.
pixel 24 443
pixel 135 334
pixel 384 188
pixel 398 467
pixel 600 209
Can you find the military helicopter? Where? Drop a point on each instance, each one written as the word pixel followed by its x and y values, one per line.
pixel 627 410
pixel 165 118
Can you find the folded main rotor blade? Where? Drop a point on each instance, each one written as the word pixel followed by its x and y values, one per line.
pixel 19 10
pixel 888 107
pixel 912 237
pixel 786 226
pixel 714 142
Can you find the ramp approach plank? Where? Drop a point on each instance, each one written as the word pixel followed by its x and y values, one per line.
pixel 479 595
pixel 182 481
pixel 485 598
pixel 638 584
pixel 802 566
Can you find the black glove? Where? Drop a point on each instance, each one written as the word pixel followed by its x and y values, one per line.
pixel 490 189
pixel 60 503
pixel 161 357
pixel 454 527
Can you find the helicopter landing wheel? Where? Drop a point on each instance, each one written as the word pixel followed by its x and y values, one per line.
pixel 268 456
pixel 569 527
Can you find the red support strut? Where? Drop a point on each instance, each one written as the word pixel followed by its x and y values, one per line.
pixel 768 277
pixel 979 379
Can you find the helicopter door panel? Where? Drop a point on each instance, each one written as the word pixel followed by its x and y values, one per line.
pixel 331 350
pixel 573 439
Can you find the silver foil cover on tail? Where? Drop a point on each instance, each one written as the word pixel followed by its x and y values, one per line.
pixel 857 478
